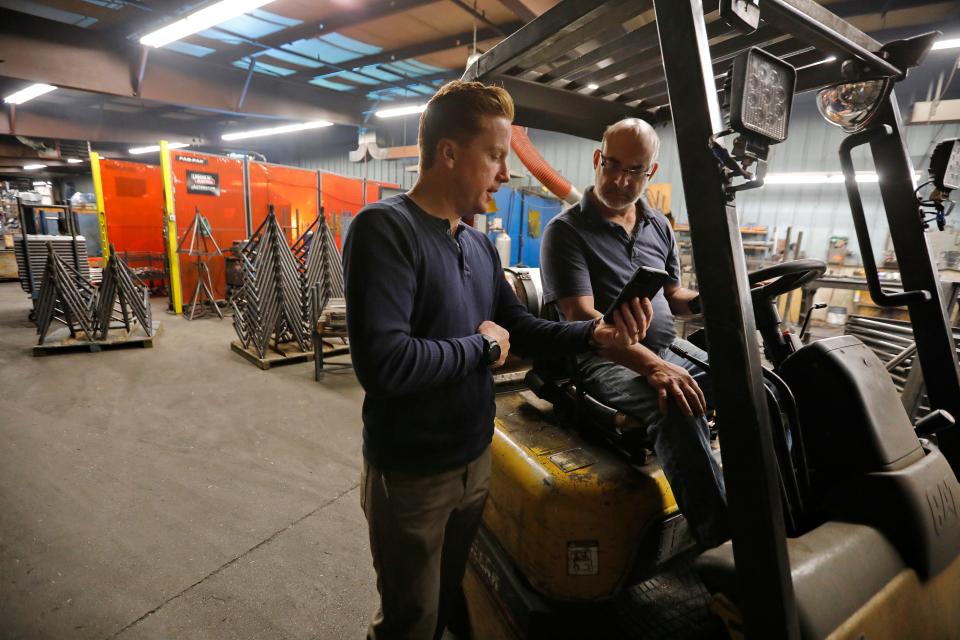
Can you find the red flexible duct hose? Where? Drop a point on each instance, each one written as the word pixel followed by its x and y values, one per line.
pixel 540 168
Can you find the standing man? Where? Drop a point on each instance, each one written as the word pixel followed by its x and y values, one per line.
pixel 429 314
pixel 588 253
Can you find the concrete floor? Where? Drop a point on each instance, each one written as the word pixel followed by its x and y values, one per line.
pixel 176 492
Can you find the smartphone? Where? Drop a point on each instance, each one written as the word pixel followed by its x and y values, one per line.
pixel 645 283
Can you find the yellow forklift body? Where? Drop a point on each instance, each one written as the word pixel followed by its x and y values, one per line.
pixel 570 513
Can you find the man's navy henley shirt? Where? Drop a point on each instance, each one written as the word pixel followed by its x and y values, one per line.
pixel 416 294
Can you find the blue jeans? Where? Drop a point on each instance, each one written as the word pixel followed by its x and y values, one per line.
pixel 682 443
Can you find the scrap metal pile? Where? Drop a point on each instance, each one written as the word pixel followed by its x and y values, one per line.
pixel 276 302
pixel 69 297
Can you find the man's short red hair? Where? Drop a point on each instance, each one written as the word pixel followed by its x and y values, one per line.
pixel 455 111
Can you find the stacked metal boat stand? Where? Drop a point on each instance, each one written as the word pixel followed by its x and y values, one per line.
pixel 122 298
pixel 324 304
pixel 285 290
pixel 320 264
pixel 269 307
pixel 68 297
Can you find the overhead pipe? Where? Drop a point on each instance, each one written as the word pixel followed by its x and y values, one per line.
pixel 540 168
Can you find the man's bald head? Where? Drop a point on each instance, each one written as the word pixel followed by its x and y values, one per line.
pixel 633 131
pixel 624 162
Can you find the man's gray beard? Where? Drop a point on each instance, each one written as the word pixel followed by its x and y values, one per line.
pixel 610 205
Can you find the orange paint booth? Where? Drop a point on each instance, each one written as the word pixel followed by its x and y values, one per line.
pixel 133 205
pixel 214 185
pixel 291 191
pixel 343 197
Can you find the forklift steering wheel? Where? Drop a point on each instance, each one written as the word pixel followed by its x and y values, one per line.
pixel 789 276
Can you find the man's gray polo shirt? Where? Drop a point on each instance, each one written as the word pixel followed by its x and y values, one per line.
pixel 582 253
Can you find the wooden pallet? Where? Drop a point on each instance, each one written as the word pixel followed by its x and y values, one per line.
pixel 59 341
pixel 290 354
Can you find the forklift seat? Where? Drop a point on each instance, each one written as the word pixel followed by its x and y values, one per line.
pixel 557 381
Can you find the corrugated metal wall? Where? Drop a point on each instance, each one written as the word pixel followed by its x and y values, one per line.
pixel 820 211
pixel 382 170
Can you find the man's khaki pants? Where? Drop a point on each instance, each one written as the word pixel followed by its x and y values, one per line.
pixel 421 529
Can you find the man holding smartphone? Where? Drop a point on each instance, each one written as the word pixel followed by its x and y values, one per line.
pixel 429 314
pixel 587 255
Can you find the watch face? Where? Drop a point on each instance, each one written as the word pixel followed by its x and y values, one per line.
pixel 492 350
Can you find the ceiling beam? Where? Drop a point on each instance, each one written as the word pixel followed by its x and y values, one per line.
pixel 39 50
pixel 481 16
pixel 136 17
pixel 317 71
pixel 421 48
pixel 449 74
pixel 543 107
pixel 97 125
pixel 312 29
pixel 519 9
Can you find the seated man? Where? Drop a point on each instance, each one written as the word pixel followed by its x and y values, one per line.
pixel 587 255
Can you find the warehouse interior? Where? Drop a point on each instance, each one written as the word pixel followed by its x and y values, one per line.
pixel 181 419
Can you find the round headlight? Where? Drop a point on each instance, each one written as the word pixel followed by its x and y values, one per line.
pixel 852 105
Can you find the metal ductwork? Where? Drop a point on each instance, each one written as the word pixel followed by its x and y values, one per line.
pixel 540 168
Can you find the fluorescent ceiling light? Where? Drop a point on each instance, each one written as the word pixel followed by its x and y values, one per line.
pixel 31 167
pixel 400 111
pixel 818 62
pixel 819 178
pixel 74 160
pixel 952 43
pixel 593 87
pixel 200 20
pixel 29 93
pixel 272 131
pixel 154 148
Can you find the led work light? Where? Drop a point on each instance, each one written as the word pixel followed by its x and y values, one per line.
pixel 945 165
pixel 944 171
pixel 758 92
pixel 742 15
pixel 761 94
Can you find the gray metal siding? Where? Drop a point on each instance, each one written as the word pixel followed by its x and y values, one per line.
pixel 820 211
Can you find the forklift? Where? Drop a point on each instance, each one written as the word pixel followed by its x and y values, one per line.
pixel 844 509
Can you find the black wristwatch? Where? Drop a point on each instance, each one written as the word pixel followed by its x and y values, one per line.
pixel 694 305
pixel 491 349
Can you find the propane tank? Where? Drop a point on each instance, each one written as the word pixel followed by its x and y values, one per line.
pixel 502 243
